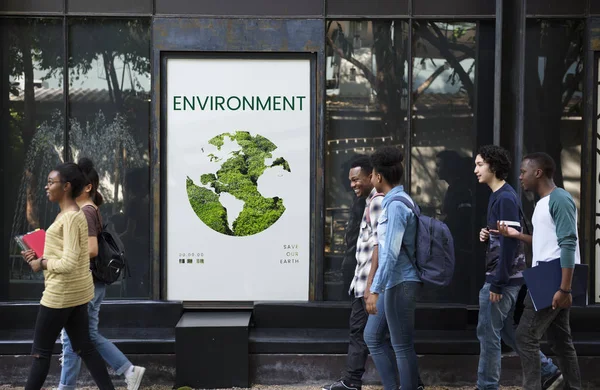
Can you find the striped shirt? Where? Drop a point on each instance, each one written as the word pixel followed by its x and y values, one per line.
pixel 365 245
pixel 68 280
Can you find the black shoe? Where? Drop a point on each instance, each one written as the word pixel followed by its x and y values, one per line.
pixel 554 382
pixel 342 385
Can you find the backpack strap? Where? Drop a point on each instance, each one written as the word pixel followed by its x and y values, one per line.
pixel 98 219
pixel 100 227
pixel 415 209
pixel 417 212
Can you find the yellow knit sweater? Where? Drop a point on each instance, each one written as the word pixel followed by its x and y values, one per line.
pixel 68 280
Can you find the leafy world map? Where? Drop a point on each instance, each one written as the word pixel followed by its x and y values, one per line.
pixel 237 176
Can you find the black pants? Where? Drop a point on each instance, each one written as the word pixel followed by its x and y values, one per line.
pixel 520 305
pixel 555 323
pixel 357 349
pixel 48 325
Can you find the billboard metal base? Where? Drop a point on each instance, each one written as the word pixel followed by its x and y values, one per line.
pixel 211 349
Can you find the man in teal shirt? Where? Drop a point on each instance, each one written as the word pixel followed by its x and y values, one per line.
pixel 554 236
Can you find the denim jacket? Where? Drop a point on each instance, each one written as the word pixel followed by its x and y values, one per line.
pixel 397 233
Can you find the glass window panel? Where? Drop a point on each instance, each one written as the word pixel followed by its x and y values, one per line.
pixel 109 101
pixel 367 97
pixel 456 7
pixel 554 99
pixel 597 229
pixel 32 140
pixel 443 142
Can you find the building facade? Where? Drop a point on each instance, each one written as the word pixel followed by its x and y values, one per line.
pixel 436 78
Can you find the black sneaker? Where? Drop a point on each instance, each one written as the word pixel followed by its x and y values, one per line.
pixel 554 382
pixel 342 385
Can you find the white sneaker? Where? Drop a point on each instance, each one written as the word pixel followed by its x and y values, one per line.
pixel 554 383
pixel 134 379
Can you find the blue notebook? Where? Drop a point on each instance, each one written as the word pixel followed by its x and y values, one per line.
pixel 544 280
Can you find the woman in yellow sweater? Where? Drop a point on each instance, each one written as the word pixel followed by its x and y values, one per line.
pixel 89 201
pixel 68 282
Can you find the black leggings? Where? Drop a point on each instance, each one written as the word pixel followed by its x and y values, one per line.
pixel 47 328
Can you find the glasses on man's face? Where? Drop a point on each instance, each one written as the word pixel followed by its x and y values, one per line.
pixel 50 182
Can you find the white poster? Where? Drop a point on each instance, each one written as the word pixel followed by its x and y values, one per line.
pixel 238 179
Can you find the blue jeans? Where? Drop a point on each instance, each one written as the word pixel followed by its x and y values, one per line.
pixel 396 312
pixel 375 335
pixel 109 352
pixel 496 323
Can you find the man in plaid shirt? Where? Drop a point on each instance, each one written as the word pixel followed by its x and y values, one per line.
pixel 366 258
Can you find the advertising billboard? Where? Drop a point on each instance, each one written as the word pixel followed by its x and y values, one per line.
pixel 237 133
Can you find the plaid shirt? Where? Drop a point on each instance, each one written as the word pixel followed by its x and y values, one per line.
pixel 367 240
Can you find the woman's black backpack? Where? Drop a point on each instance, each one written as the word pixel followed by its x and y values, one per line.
pixel 110 262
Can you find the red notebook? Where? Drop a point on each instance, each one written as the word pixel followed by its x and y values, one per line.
pixel 35 240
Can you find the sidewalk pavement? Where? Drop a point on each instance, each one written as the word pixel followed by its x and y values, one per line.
pixel 261 387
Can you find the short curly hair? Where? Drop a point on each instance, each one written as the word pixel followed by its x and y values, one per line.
pixel 497 158
pixel 363 162
pixel 544 162
pixel 387 161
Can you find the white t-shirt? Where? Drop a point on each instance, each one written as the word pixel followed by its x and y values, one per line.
pixel 555 227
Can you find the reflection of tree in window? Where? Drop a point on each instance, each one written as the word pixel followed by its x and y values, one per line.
pixel 443 97
pixel 390 44
pixel 553 96
pixel 110 42
pixel 32 59
pixel 34 46
pixel 109 95
pixel 367 104
pixel 109 92
pixel 367 94
pixel 109 70
pixel 388 77
pixel 442 181
pixel 454 42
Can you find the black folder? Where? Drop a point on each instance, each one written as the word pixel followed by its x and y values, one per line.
pixel 544 281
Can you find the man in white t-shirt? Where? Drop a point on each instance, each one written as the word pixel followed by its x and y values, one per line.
pixel 554 236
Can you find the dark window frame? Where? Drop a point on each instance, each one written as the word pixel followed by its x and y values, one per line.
pixel 240 9
pixel 594 7
pixel 38 7
pixel 465 9
pixel 543 9
pixel 111 7
pixel 589 177
pixel 330 9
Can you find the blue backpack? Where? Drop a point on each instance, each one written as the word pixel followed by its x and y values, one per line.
pixel 435 248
